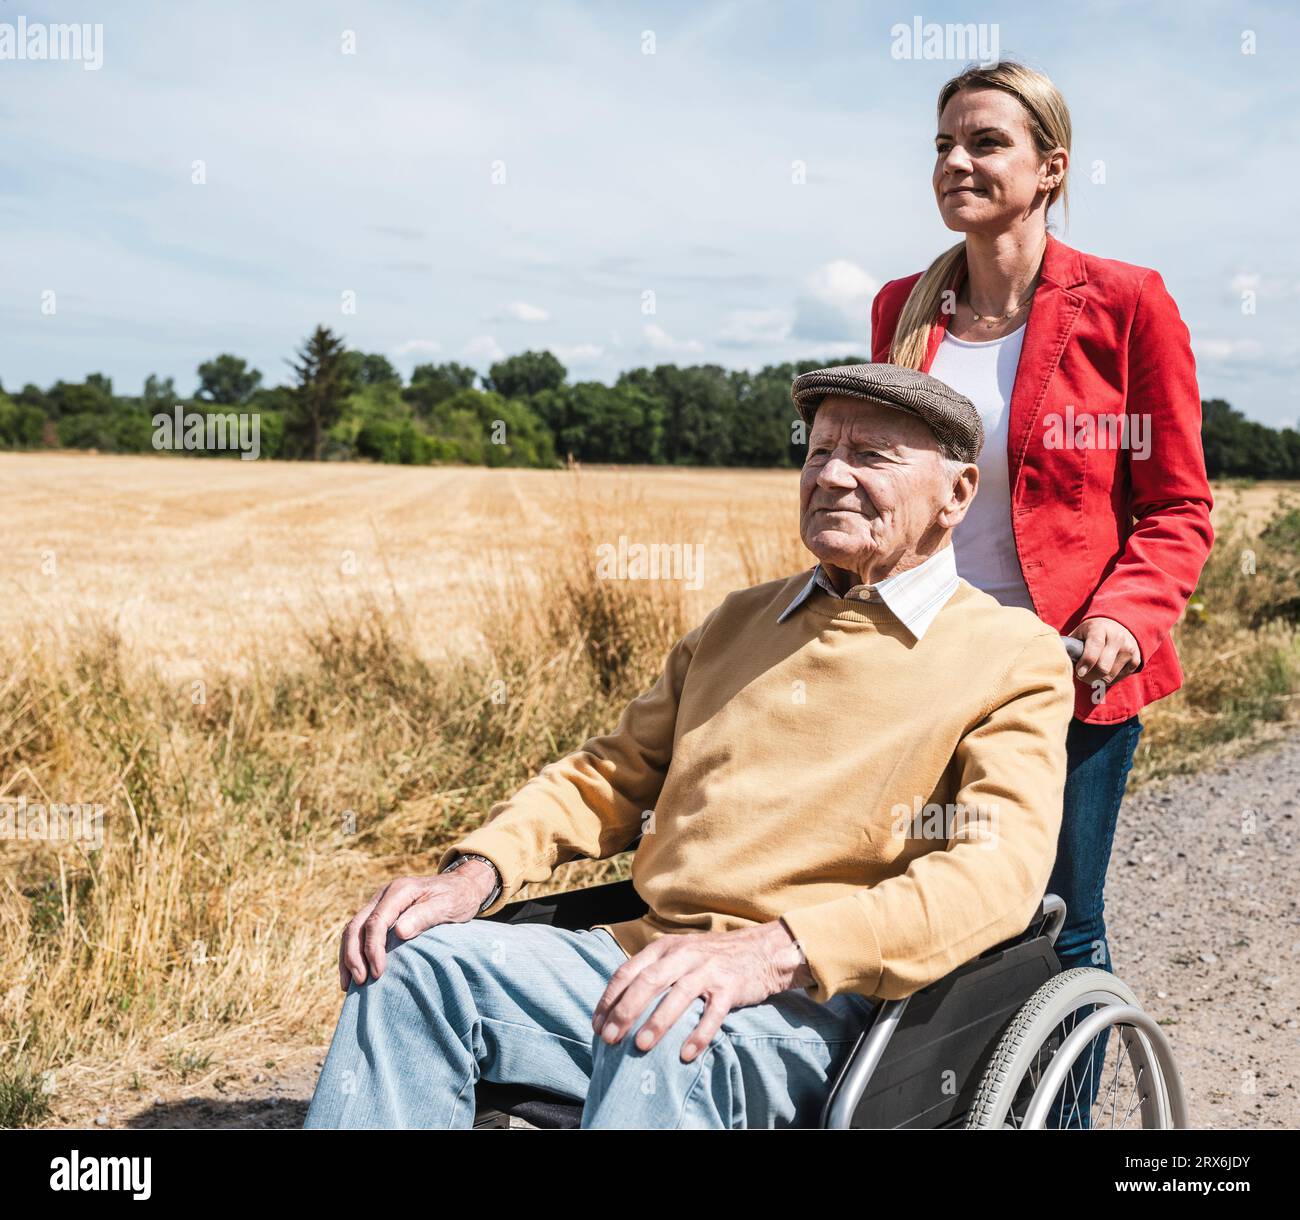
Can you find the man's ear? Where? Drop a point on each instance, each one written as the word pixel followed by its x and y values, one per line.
pixel 965 483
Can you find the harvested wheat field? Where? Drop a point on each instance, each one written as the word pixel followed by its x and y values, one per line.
pixel 195 563
pixel 198 563
pixel 285 683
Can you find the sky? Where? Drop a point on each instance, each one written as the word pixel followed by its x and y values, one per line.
pixel 623 184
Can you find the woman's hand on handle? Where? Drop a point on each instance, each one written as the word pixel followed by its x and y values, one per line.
pixel 1109 651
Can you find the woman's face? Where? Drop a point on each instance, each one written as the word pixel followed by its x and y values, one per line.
pixel 988 175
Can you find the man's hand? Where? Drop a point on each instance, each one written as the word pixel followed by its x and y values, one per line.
pixel 1109 651
pixel 410 905
pixel 730 969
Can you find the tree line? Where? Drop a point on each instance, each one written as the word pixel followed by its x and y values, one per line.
pixel 345 404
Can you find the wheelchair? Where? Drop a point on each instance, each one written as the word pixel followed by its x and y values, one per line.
pixel 1007 1041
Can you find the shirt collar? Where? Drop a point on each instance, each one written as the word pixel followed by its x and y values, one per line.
pixel 915 597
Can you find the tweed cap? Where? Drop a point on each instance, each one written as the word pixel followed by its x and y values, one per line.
pixel 952 417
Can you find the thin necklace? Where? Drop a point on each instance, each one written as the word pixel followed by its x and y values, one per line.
pixel 988 319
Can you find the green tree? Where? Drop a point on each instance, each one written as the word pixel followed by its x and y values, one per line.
pixel 435 383
pixel 274 406
pixel 524 375
pixel 159 393
pixel 322 386
pixel 132 430
pixel 66 398
pixel 87 430
pixel 227 381
pixel 21 424
pixel 371 368
pixel 765 415
pixel 484 427
pixel 34 396
pixel 594 422
pixel 699 404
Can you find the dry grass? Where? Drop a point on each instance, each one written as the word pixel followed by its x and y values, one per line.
pixel 343 734
pixel 1238 641
pixel 240 830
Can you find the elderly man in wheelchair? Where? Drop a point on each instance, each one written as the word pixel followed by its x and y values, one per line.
pixel 844 792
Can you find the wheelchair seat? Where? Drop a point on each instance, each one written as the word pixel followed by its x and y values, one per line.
pixel 498 1103
pixel 891 1077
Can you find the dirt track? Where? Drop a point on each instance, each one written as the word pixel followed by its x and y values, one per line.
pixel 1204 921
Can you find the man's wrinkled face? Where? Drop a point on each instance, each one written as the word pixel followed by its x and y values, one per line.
pixel 872 485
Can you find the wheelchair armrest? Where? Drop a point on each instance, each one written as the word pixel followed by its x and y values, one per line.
pixel 1050 918
pixel 614 902
pixel 1047 921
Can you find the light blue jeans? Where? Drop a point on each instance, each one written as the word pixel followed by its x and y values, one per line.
pixel 512 1003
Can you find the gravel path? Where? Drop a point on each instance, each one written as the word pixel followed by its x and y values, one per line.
pixel 1204 925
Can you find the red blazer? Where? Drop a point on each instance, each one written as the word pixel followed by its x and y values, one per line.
pixel 1099 529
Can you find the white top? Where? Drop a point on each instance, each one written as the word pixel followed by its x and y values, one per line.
pixel 983 542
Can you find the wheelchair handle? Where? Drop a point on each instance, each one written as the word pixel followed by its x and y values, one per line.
pixel 1072 646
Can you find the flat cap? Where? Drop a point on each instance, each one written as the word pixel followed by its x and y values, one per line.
pixel 952 417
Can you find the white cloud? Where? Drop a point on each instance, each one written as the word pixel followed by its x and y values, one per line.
pixel 1282 287
pixel 842 283
pixel 662 341
pixel 756 327
pixel 483 347
pixel 1226 351
pixel 579 353
pixel 836 304
pixel 521 311
pixel 417 347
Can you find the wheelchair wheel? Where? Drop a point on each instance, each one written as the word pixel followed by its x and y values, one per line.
pixel 1080 1054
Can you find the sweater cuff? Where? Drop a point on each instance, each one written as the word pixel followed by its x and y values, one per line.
pixel 841 946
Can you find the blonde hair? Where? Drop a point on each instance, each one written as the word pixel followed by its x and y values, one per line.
pixel 1049 126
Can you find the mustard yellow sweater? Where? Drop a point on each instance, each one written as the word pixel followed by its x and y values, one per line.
pixel 896 801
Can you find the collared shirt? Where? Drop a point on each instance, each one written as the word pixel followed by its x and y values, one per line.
pixel 915 596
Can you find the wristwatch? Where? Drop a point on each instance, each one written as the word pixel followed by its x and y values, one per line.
pixel 473 855
pixel 803 957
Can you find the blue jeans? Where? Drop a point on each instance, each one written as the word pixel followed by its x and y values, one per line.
pixel 1099 759
pixel 512 1003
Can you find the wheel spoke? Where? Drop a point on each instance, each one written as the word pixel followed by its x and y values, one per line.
pixel 1139 1097
pixel 1110 1092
